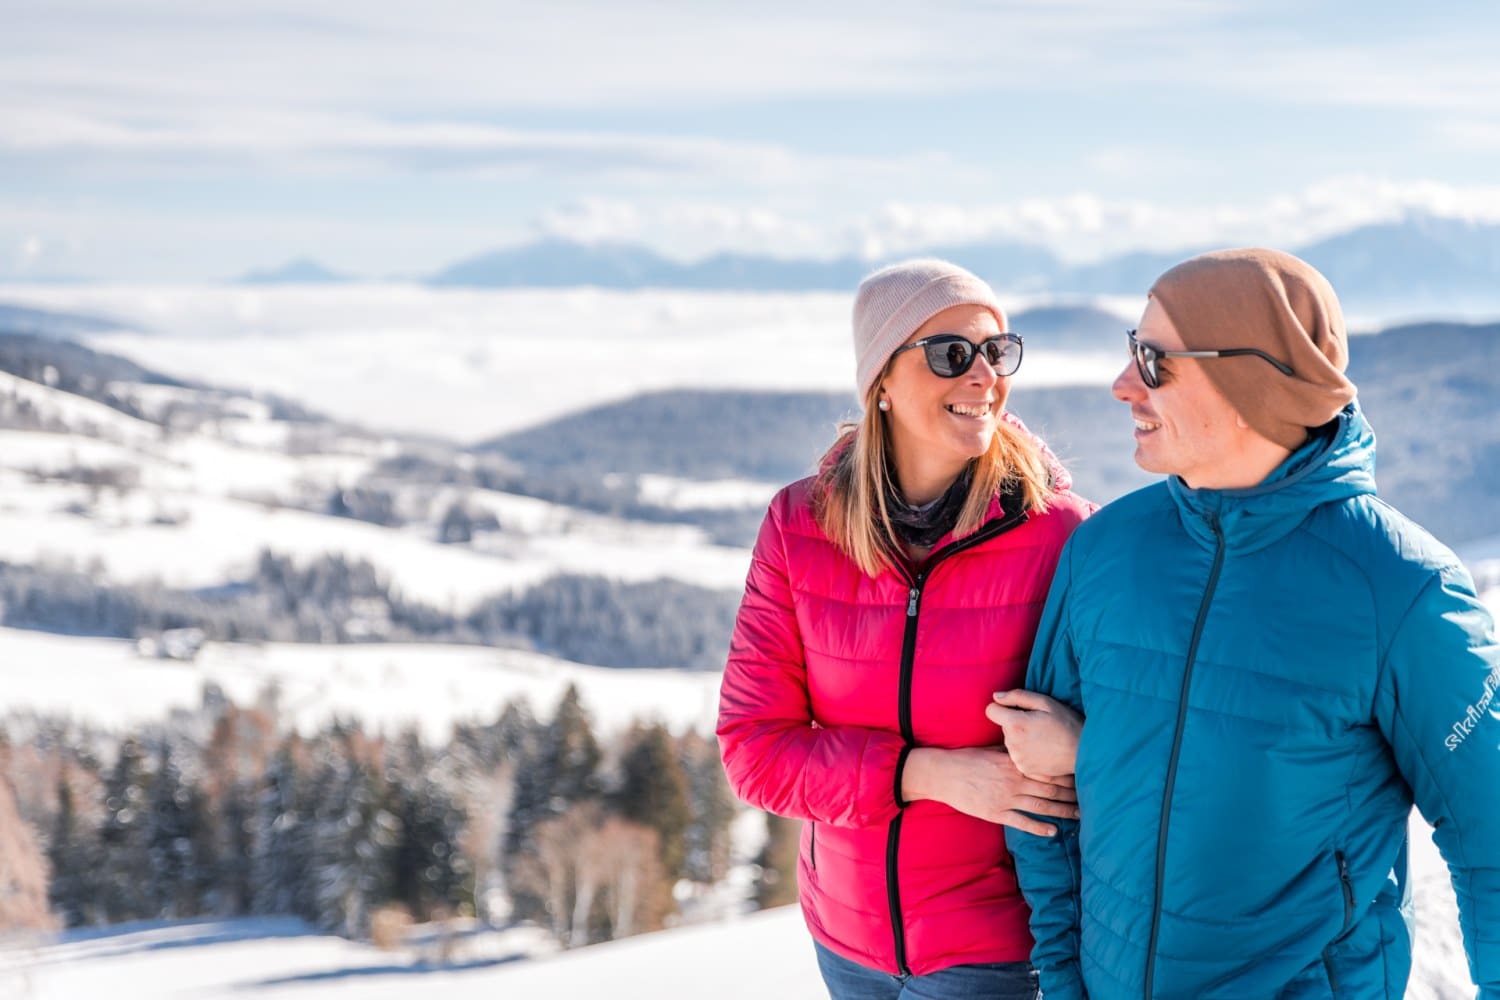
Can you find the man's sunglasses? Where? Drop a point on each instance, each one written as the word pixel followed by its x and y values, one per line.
pixel 1147 358
pixel 949 355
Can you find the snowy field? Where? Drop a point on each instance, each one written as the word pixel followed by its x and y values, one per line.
pixel 763 955
pixel 387 687
pixel 469 364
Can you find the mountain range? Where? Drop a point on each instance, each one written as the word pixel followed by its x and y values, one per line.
pixel 1419 264
pixel 1428 390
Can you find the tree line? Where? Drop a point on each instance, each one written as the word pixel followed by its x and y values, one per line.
pixel 222 815
pixel 587 619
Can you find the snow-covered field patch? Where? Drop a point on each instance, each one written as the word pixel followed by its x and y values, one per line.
pixel 386 687
pixel 717 494
pixel 762 955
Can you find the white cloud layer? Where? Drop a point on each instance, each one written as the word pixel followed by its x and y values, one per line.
pixel 84 240
pixel 1081 226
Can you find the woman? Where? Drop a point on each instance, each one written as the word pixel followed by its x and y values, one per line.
pixel 888 598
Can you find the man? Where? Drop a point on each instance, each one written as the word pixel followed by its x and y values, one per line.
pixel 1271 664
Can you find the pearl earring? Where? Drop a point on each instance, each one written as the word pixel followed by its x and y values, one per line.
pixel 885 405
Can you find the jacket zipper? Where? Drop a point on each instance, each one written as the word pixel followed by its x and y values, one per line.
pixel 1182 706
pixel 908 733
pixel 812 845
pixel 1347 885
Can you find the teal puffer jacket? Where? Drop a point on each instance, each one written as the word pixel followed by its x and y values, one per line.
pixel 1269 677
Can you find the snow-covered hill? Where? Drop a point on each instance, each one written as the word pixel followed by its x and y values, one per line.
pixel 195 505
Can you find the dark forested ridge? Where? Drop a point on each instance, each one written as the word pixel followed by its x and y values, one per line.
pixel 1430 391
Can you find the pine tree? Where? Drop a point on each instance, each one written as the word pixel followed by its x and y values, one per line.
pixel 570 753
pixel 233 766
pixel 561 774
pixel 654 792
pixel 177 842
pixel 713 806
pixel 123 836
pixel 353 837
pixel 429 873
pixel 281 865
pixel 75 888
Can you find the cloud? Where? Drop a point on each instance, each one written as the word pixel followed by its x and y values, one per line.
pixel 1085 226
pixel 322 143
pixel 1473 135
pixel 688 230
pixel 87 239
pixel 563 54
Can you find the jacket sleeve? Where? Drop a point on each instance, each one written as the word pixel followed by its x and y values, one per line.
pixel 776 756
pixel 1438 705
pixel 1049 867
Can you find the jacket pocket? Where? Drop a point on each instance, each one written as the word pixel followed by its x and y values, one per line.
pixel 812 845
pixel 1346 891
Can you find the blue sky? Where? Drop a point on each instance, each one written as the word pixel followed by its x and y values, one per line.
pixel 142 141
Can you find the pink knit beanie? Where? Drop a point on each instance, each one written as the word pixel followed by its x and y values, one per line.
pixel 894 301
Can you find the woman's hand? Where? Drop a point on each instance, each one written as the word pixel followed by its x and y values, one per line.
pixel 1041 734
pixel 984 782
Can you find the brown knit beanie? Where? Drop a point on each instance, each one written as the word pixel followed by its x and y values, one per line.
pixel 1275 303
pixel 894 301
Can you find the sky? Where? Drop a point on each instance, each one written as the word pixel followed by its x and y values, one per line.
pixel 145 140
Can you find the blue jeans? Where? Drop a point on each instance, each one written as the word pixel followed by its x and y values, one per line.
pixel 848 980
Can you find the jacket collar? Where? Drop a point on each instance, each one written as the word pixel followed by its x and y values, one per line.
pixel 1338 463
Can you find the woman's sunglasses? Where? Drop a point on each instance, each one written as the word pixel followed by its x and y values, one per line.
pixel 1148 358
pixel 949 355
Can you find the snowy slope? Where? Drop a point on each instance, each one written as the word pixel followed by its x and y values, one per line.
pixel 388 687
pixel 196 507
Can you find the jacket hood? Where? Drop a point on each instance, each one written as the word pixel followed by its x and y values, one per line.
pixel 1337 464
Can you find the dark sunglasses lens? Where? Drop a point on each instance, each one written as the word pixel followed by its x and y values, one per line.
pixel 1145 361
pixel 1004 355
pixel 949 358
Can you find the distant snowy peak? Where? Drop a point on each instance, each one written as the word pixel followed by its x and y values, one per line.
pixel 1421 261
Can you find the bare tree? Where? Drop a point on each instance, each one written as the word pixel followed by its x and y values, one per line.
pixel 23 870
pixel 635 883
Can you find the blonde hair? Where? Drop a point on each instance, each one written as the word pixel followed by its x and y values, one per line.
pixel 856 477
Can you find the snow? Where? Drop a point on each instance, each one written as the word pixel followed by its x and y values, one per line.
pixel 186 540
pixel 762 955
pixel 766 954
pixel 470 364
pixel 718 494
pixel 193 509
pixel 79 412
pixel 387 687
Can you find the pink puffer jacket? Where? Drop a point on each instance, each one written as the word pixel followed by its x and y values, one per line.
pixel 833 675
